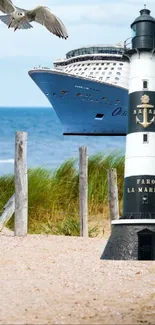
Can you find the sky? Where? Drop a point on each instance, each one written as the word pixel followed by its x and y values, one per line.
pixel 87 21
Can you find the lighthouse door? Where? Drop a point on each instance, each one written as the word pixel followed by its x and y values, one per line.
pixel 146 247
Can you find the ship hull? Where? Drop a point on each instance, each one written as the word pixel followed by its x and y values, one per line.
pixel 84 107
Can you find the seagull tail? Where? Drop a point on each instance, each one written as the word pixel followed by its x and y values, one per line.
pixel 6 19
pixel 24 24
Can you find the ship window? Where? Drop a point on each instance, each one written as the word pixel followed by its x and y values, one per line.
pixel 145 138
pixel 110 73
pixel 64 92
pixel 114 63
pixel 121 64
pixel 116 78
pixel 145 84
pixel 94 68
pixel 118 73
pixel 105 68
pixel 99 116
pixel 99 68
pixel 119 68
pixel 112 68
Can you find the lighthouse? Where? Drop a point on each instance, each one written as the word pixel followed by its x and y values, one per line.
pixel 133 235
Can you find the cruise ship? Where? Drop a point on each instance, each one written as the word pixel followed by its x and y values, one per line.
pixel 88 89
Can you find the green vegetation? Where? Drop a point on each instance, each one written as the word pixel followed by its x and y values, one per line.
pixel 53 195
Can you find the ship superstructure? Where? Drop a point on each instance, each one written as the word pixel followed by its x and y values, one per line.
pixel 88 90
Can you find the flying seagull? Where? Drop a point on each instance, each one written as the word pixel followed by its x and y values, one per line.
pixel 18 18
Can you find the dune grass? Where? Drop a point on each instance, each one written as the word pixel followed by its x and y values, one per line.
pixel 53 196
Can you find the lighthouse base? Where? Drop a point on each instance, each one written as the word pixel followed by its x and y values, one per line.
pixel 131 240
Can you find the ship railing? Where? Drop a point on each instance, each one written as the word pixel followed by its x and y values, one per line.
pixel 45 68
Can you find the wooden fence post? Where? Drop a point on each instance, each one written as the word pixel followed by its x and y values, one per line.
pixel 21 186
pixel 83 191
pixel 113 194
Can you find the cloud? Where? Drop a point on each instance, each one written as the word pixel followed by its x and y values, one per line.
pixel 88 22
pixel 89 17
pixel 86 17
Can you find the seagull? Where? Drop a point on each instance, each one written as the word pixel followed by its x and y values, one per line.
pixel 18 18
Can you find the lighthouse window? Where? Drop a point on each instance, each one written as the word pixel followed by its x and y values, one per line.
pixel 145 137
pixel 145 84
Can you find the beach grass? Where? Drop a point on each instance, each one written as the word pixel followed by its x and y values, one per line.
pixel 53 196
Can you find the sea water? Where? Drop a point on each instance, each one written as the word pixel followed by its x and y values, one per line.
pixel 46 144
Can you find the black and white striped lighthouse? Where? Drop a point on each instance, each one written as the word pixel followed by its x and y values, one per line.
pixel 133 235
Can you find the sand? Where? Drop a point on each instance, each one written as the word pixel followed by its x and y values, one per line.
pixel 61 280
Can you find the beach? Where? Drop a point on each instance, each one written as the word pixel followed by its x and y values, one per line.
pixel 61 280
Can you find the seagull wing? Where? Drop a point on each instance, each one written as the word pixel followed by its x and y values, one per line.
pixel 45 17
pixel 6 6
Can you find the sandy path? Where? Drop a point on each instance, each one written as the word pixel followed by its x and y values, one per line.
pixel 61 280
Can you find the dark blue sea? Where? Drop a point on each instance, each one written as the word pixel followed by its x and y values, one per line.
pixel 46 144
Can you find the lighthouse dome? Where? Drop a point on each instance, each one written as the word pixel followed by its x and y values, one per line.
pixel 143 31
pixel 144 16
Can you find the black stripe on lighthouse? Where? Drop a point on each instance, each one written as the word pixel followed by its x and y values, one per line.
pixel 138 119
pixel 139 197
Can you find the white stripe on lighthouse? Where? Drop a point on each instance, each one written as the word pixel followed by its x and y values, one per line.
pixel 142 67
pixel 140 155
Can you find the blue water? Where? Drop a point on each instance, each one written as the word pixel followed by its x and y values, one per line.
pixel 46 145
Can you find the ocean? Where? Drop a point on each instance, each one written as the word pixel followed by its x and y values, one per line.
pixel 46 144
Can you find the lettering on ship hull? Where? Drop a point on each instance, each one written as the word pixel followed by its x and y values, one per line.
pixel 119 111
